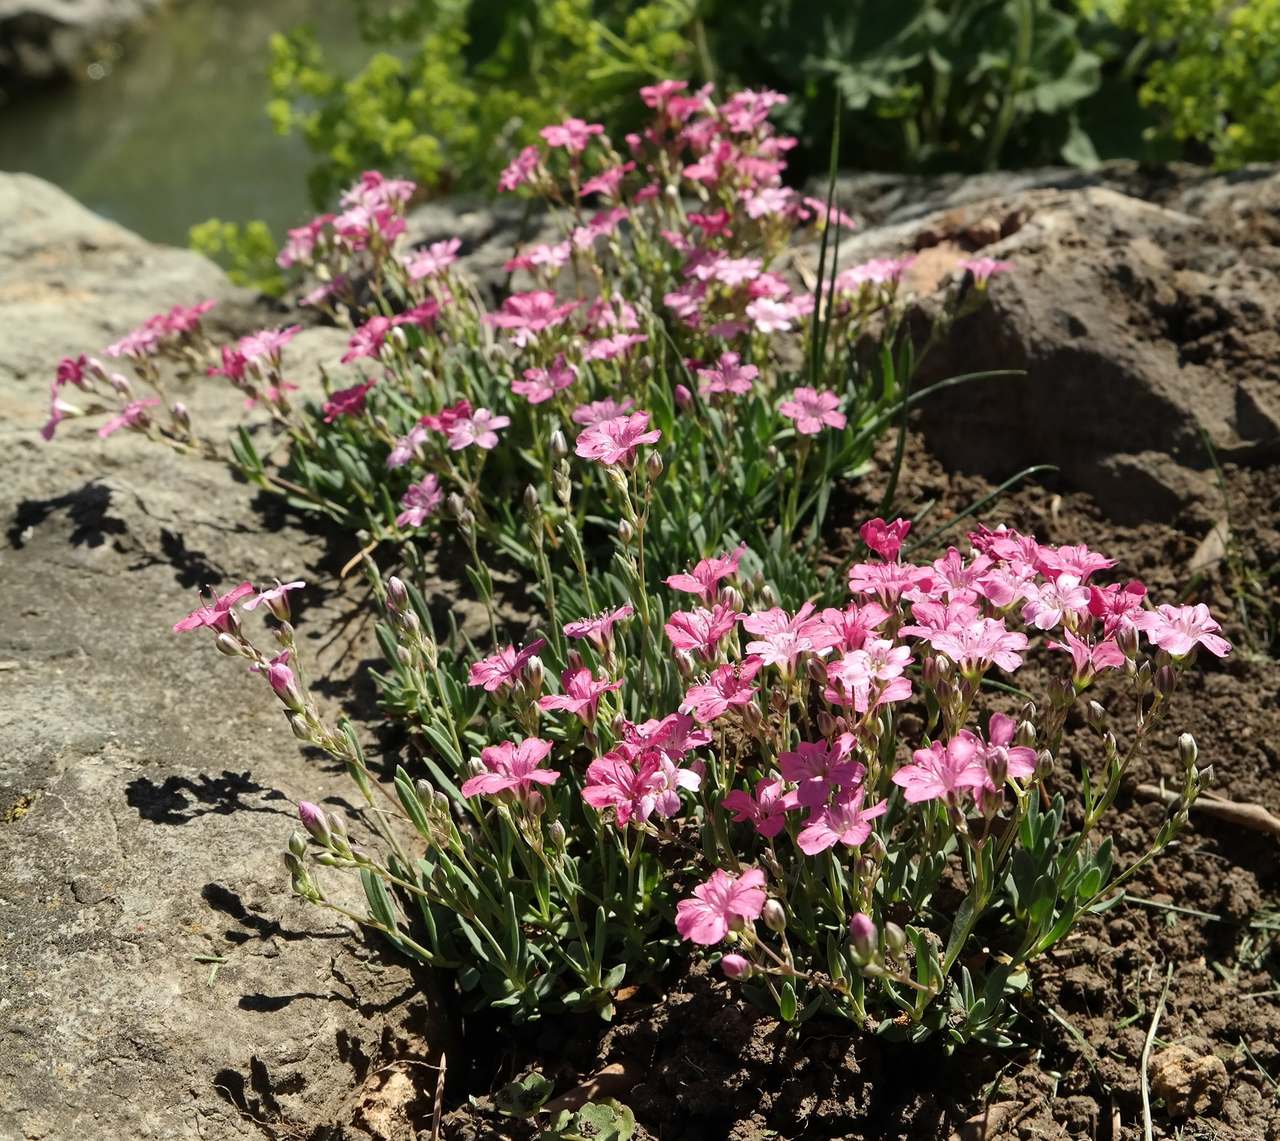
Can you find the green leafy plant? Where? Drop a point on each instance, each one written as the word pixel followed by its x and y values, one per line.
pixel 247 252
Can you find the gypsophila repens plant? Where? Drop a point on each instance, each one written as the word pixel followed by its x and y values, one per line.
pixel 697 745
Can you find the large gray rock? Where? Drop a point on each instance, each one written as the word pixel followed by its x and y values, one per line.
pixel 146 784
pixel 44 39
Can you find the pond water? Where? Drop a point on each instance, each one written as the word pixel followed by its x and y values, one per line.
pixel 173 131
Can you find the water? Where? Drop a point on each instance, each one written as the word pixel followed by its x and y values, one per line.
pixel 173 131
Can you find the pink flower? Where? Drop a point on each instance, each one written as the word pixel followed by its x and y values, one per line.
pixel 1078 561
pixel 541 384
pixel 131 415
pixel 636 783
pixel 877 271
pixel 844 821
pixel 767 810
pixel 217 614
pixel 520 170
pixel 817 768
pixel 1117 605
pixel 419 501
pixel 346 401
pixel 975 647
pixel 724 903
pixel 1179 629
pixel 983 268
pixel 1048 605
pixel 480 429
pixel 528 314
pixel 1089 659
pixel 699 630
pixel 870 677
pixel 607 181
pixel 600 628
pixel 598 411
pixel 812 411
pixel 1004 759
pixel 274 595
pixel 423 315
pixel 729 376
pixel 447 418
pixel 889 581
pixel 301 242
pixel 850 628
pixel 885 539
pixel 572 135
pixel 503 669
pixel 782 637
pixel 434 260
pixel 512 767
pixel 407 447
pixel 610 348
pixel 674 735
pixel 581 696
pixel 368 339
pixel 727 687
pixel 280 677
pixel 615 441
pixel 942 771
pixel 770 316
pixel 770 200
pixel 267 344
pixel 375 190
pixel 705 577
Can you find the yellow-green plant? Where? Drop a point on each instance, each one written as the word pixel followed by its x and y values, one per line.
pixel 247 252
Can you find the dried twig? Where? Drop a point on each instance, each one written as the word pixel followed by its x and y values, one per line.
pixel 1146 1055
pixel 1252 816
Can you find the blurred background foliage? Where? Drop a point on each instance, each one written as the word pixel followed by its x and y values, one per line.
pixel 449 89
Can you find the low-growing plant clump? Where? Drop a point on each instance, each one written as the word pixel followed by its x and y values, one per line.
pixel 706 739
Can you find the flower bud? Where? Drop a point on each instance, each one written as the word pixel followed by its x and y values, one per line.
pixel 467 520
pixel 1025 735
pixel 121 385
pixel 534 802
pixel 735 966
pixel 1044 764
pixel 1095 716
pixel 556 834
pixel 683 396
pixel 864 937
pixel 768 596
pixel 180 415
pixel 532 504
pixel 1188 750
pixel 685 663
pixel 895 940
pixel 1142 679
pixel 397 594
pixel 404 656
pixel 828 725
pixel 817 671
pixel 559 446
pixel 298 844
pixel 1166 681
pixel 301 728
pixel 228 645
pixel 535 674
pixel 626 532
pixel 456 504
pixel 731 597
pixel 315 821
pixel 774 916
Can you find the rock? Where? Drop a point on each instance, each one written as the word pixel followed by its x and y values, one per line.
pixel 146 784
pixel 1189 1081
pixel 46 39
pixel 1138 326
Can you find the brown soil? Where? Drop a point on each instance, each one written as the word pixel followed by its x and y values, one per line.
pixel 699 1063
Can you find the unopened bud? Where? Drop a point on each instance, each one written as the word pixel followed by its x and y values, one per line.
pixel 653 466
pixel 774 916
pixel 180 415
pixel 559 446
pixel 301 729
pixel 1044 764
pixel 534 803
pixel 1188 750
pixel 535 674
pixel 228 645
pixel 1025 735
pixel 298 844
pixel 1166 680
pixel 735 966
pixel 817 671
pixel 827 723
pixel 397 593
pixel 456 505
pixel 895 940
pixel 626 532
pixel 532 504
pixel 864 937
pixel 768 596
pixel 404 656
pixel 685 663
pixel 1095 716
pixel 466 520
pixel 556 834
pixel 683 396
pixel 315 821
pixel 731 597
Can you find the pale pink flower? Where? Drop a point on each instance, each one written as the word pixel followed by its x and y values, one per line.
pixel 728 375
pixel 767 809
pixel 1117 605
pixel 850 628
pixel 300 243
pixel 983 268
pixel 572 135
pixel 1089 658
pixel 1051 603
pixel 771 316
pixel 217 613
pixel 734 271
pixel 699 630
pixel 975 647
pixel 770 200
pixel 812 411
pixel 877 271
pixel 943 771
pixel 420 501
pixel 368 339
pixel 267 344
pixel 615 441
pixel 407 447
pixel 375 191
pixel 931 615
pixel 521 170
pixel 844 821
pixel 607 181
pixel 889 581
pixel 728 686
pixel 503 669
pixel 674 735
pixel 528 314
pixel 581 696
pixel 706 576
pixel 274 594
pixel 870 677
pixel 1078 561
pixel 885 539
pixel 1179 629
pixel 448 417
pixel 600 628
pixel 280 677
pixel 541 384
pixel 1004 759
pixel 636 783
pixel 956 578
pixel 610 348
pixel 724 903
pixel 480 429
pixel 132 415
pixel 434 260
pixel 512 767
pixel 598 411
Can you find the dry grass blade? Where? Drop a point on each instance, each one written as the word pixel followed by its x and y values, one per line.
pixel 1252 816
pixel 1146 1055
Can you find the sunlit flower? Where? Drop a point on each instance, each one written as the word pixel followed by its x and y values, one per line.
pixel 1179 629
pixel 512 767
pixel 724 903
pixel 505 668
pixel 420 501
pixel 615 441
pixel 812 411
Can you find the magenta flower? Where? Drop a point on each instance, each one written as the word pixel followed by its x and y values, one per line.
pixel 701 631
pixel 885 539
pixel 420 501
pixel 598 411
pixel 512 767
pixel 844 821
pixel 447 418
pixel 541 384
pixel 503 669
pixel 423 315
pixel 767 810
pixel 275 595
pixel 600 628
pixel 817 768
pixel 581 696
pixel 375 191
pixel 728 686
pixel 615 441
pixel 346 401
pixel 1179 629
pixel 132 415
pixel 480 429
pixel 812 411
pixel 607 181
pixel 217 614
pixel 983 268
pixel 941 772
pixel 674 735
pixel 728 376
pixel 572 135
pixel 705 578
pixel 636 783
pixel 528 314
pixel 280 678
pixel 434 260
pixel 724 903
pixel 521 170
pixel 368 339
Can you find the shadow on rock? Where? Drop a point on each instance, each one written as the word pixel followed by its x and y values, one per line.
pixel 179 800
pixel 88 509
